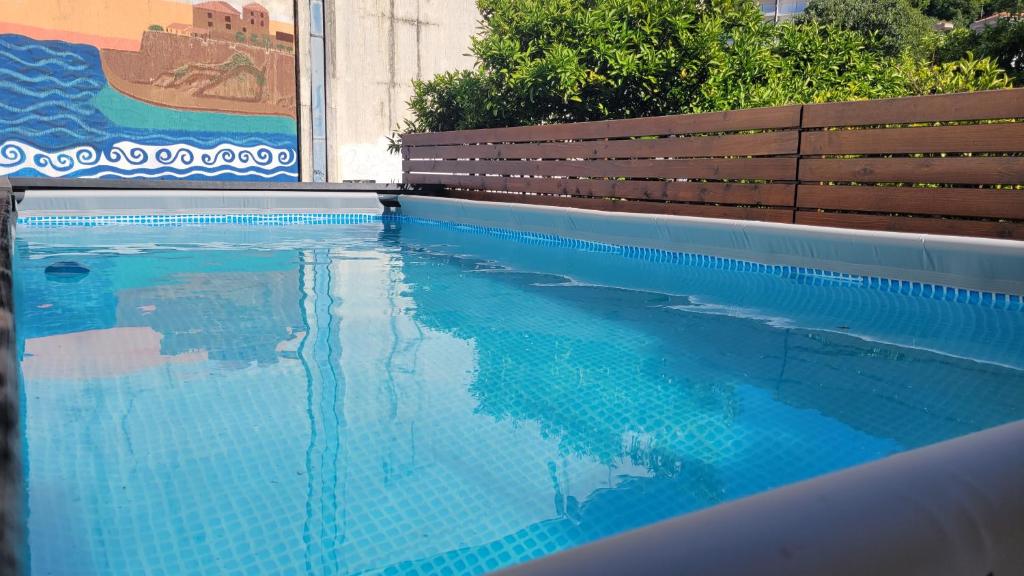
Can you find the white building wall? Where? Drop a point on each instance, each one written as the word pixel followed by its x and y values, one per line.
pixel 375 49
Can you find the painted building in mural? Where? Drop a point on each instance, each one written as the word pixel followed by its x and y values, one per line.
pixel 160 89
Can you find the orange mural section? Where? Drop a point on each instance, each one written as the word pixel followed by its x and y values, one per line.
pixel 72 37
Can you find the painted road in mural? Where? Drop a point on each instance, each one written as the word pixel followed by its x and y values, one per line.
pixel 166 108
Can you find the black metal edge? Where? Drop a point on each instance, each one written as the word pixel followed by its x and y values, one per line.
pixel 12 536
pixel 22 184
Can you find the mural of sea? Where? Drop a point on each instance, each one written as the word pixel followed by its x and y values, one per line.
pixel 59 117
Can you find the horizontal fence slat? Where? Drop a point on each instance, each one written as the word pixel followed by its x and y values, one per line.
pixel 776 164
pixel 706 211
pixel 759 144
pixel 970 202
pixel 728 121
pixel 973 170
pixel 711 169
pixel 1005 230
pixel 993 104
pixel 707 192
pixel 935 139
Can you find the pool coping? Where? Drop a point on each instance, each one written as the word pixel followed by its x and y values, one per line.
pixel 20 184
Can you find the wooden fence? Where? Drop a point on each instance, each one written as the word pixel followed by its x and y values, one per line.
pixel 946 164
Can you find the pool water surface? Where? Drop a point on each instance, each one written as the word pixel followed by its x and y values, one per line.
pixel 399 397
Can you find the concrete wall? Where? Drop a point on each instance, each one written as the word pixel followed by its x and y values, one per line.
pixel 375 49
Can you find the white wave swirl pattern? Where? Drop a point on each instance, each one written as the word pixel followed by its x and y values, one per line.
pixel 128 159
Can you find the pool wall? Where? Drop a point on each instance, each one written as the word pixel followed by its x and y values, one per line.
pixel 983 264
pixel 11 476
pixel 953 508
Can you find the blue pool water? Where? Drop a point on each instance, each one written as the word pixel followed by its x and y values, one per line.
pixel 399 397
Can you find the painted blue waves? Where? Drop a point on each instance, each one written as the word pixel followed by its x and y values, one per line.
pixel 46 108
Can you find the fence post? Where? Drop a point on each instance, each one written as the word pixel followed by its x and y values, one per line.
pixel 799 156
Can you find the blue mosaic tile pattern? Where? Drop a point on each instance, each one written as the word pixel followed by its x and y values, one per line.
pixel 400 399
pixel 815 276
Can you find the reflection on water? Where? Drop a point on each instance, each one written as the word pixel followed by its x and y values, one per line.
pixel 331 400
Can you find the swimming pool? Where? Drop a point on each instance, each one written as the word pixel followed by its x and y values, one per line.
pixel 347 395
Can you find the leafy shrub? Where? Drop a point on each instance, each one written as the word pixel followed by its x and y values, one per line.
pixel 960 11
pixel 541 61
pixel 1003 43
pixel 237 60
pixel 156 28
pixel 892 26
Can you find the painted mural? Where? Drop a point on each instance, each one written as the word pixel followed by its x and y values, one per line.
pixel 148 89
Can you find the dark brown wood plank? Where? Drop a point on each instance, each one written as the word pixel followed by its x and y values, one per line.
pixel 993 104
pixel 971 202
pixel 933 139
pixel 708 192
pixel 758 144
pixel 973 170
pixel 705 211
pixel 711 169
pixel 728 121
pixel 920 225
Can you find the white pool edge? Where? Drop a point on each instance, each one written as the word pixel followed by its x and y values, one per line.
pixel 58 202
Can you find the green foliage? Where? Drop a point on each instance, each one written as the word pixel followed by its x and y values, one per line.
pixel 156 28
pixel 963 75
pixel 240 37
pixel 1003 43
pixel 458 100
pixel 237 60
pixel 260 40
pixel 1011 6
pixel 952 45
pixel 891 26
pixel 960 11
pixel 541 61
